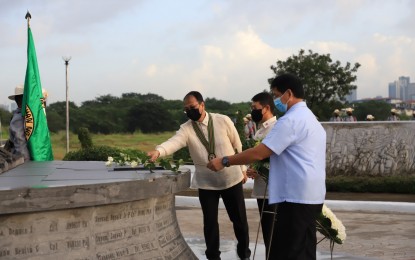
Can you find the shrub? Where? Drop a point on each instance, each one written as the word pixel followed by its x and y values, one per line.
pixel 383 184
pixel 84 137
pixel 94 153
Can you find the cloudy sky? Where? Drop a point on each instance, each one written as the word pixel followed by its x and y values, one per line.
pixel 223 48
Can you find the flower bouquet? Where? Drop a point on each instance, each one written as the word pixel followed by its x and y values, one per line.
pixel 330 227
pixel 261 167
pixel 133 159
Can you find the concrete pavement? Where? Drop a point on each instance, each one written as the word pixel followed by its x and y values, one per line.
pixel 381 230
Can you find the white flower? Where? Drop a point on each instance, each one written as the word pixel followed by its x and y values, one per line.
pixel 134 164
pixel 336 224
pixel 110 159
pixel 108 163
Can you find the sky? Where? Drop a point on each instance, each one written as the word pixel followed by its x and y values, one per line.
pixel 222 48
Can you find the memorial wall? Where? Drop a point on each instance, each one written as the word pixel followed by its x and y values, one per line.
pixel 370 148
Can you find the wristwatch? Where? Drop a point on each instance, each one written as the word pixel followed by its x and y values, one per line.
pixel 225 161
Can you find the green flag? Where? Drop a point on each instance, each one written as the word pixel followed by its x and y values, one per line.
pixel 33 110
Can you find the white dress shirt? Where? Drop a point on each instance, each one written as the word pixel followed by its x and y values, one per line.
pixel 227 141
pixel 263 130
pixel 298 162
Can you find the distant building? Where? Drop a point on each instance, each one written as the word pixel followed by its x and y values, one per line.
pixel 392 101
pixel 402 89
pixel 411 91
pixel 404 84
pixel 394 90
pixel 352 96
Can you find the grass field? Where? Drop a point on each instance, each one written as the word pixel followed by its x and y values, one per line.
pixel 143 142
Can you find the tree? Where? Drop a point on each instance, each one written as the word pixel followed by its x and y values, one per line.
pixel 56 115
pixel 149 117
pixel 217 105
pixel 323 79
pixel 379 109
pixel 5 117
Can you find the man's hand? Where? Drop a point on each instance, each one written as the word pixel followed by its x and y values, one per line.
pixel 251 173
pixel 215 164
pixel 245 177
pixel 153 155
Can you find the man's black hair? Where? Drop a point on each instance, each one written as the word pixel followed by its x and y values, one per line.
pixel 264 98
pixel 288 81
pixel 195 94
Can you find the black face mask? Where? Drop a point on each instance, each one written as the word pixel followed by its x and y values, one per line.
pixel 257 115
pixel 193 114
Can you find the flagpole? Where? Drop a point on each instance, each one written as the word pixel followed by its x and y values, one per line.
pixel 36 124
pixel 28 17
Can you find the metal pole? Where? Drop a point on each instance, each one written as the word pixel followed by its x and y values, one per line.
pixel 67 59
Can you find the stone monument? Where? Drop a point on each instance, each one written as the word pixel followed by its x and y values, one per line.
pixel 82 210
pixel 9 161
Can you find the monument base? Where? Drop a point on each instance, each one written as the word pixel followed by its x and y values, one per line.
pixel 84 211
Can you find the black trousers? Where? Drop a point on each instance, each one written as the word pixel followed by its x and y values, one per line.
pixel 267 219
pixel 296 231
pixel 233 198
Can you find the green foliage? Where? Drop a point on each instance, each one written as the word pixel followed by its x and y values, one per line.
pixel 131 112
pixel 379 109
pixel 135 158
pixel 239 125
pixel 55 122
pixel 325 110
pixel 5 117
pixel 84 137
pixel 323 79
pixel 94 153
pixel 171 164
pixel 143 98
pixel 183 154
pixel 56 116
pixel 215 105
pixel 150 117
pixel 382 184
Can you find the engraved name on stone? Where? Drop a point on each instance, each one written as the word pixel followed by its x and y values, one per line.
pixel 142 250
pixel 76 224
pixel 168 236
pixel 161 206
pixel 17 231
pixel 164 222
pixel 110 236
pixel 134 230
pixel 133 213
pixel 174 249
